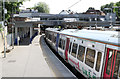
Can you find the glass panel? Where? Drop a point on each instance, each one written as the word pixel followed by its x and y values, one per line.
pixel 74 50
pixel 63 43
pixel 70 47
pixel 55 39
pixel 81 52
pixel 60 43
pixel 116 65
pixel 109 62
pixel 90 57
pixel 98 61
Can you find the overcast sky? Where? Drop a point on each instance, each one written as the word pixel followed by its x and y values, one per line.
pixel 58 5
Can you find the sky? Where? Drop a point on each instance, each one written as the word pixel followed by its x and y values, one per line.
pixel 56 6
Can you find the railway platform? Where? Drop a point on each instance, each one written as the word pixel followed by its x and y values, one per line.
pixel 32 60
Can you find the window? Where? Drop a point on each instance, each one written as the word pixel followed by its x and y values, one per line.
pixel 98 61
pixel 63 44
pixel 90 57
pixel 74 50
pixel 60 43
pixel 70 47
pixel 55 39
pixel 49 36
pixel 81 52
pixel 109 62
pixel 117 65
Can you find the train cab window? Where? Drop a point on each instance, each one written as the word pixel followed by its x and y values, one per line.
pixel 81 52
pixel 70 47
pixel 109 62
pixel 117 64
pixel 90 57
pixel 74 49
pixel 98 61
pixel 60 43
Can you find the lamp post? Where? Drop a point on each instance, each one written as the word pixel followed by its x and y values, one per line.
pixel 90 21
pixel 4 11
pixel 12 30
pixel 111 15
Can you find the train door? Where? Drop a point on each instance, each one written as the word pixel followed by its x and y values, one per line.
pixel 67 47
pixel 57 40
pixel 111 70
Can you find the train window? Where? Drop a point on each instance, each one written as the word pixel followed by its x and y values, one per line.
pixel 55 39
pixel 81 52
pixel 63 43
pixel 60 43
pixel 117 61
pixel 74 49
pixel 98 61
pixel 90 57
pixel 109 61
pixel 70 47
pixel 49 36
pixel 52 38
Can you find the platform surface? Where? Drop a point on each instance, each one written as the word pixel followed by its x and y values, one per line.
pixel 26 61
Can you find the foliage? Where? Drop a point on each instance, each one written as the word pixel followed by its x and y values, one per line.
pixel 0 27
pixel 112 5
pixel 12 7
pixel 41 7
pixel 117 10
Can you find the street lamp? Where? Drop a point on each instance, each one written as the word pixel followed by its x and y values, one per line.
pixel 12 30
pixel 110 16
pixel 4 12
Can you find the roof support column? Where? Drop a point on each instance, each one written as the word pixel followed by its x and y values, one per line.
pixel 31 34
pixel 16 35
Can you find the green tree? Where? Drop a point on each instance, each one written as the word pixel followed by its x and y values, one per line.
pixel 12 7
pixel 107 6
pixel 111 5
pixel 117 10
pixel 41 7
pixel 0 27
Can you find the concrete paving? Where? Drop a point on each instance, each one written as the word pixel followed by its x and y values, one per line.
pixel 26 61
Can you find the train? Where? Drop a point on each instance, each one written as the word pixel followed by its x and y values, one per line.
pixel 93 53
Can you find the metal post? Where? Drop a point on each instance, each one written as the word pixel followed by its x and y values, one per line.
pixel 90 21
pixel 96 20
pixel 111 19
pixel 4 27
pixel 12 31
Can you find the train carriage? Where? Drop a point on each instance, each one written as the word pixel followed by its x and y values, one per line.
pixel 93 53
